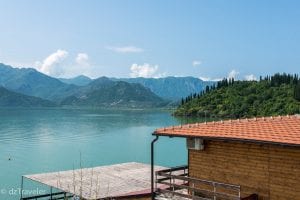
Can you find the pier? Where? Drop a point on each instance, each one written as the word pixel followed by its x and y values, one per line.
pixel 119 181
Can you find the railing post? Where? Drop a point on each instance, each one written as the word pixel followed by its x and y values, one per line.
pixel 172 179
pixel 152 167
pixel 22 182
pixel 184 171
pixel 51 193
pixel 156 178
pixel 214 191
pixel 171 185
pixel 193 189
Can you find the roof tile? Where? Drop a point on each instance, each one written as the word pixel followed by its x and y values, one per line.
pixel 280 130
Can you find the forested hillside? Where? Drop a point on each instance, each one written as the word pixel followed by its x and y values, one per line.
pixel 273 95
pixel 13 99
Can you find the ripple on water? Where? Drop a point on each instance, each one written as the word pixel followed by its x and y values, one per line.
pixel 50 140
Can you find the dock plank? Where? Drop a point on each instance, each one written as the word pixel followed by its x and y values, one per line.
pixel 100 182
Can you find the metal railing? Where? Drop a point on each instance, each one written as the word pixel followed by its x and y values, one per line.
pixel 176 182
pixel 50 196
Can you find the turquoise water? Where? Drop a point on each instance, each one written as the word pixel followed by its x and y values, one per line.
pixel 45 140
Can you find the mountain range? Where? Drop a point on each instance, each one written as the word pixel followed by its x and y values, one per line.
pixel 30 82
pixel 78 80
pixel 100 92
pixel 104 92
pixel 13 99
pixel 170 88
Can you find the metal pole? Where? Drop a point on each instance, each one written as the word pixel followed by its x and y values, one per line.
pixel 51 193
pixel 215 190
pixel 152 167
pixel 22 182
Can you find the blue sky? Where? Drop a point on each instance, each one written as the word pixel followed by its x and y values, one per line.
pixel 129 38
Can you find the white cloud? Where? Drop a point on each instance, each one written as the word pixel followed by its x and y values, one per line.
pixel 126 49
pixel 50 65
pixel 161 75
pixel 250 77
pixel 205 78
pixel 82 59
pixel 209 79
pixel 233 74
pixel 58 65
pixel 196 62
pixel 146 70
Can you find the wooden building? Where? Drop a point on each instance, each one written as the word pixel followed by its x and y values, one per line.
pixel 258 157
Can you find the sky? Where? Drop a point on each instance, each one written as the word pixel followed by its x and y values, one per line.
pixel 137 38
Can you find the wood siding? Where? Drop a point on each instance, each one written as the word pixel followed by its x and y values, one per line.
pixel 273 172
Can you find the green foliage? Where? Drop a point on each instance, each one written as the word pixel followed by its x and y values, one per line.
pixel 297 91
pixel 13 99
pixel 103 92
pixel 273 95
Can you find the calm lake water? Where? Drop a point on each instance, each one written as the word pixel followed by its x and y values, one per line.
pixel 46 140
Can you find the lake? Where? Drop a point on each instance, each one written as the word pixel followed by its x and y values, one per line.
pixel 46 140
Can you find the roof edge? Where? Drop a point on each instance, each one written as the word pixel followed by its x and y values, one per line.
pixel 228 139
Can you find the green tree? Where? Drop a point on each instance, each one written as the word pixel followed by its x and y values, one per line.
pixel 297 92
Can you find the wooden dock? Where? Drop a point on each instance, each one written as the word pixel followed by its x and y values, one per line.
pixel 100 182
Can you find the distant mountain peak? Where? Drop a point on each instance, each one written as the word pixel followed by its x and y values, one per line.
pixel 101 80
pixel 82 76
pixel 80 80
pixel 171 87
pixel 104 92
pixel 31 82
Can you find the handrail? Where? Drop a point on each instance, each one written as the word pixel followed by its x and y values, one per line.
pixel 173 169
pixel 207 192
pixel 183 195
pixel 173 182
pixel 183 178
pixel 47 195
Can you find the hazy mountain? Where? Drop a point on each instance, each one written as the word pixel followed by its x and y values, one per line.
pixel 33 83
pixel 81 90
pixel 13 99
pixel 108 93
pixel 99 92
pixel 78 80
pixel 172 88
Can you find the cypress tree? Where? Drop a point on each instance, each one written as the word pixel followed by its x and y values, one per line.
pixel 297 92
pixel 207 89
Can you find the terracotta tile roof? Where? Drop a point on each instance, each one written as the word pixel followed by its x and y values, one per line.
pixel 280 130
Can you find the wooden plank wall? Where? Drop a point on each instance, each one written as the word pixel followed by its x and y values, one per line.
pixel 271 171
